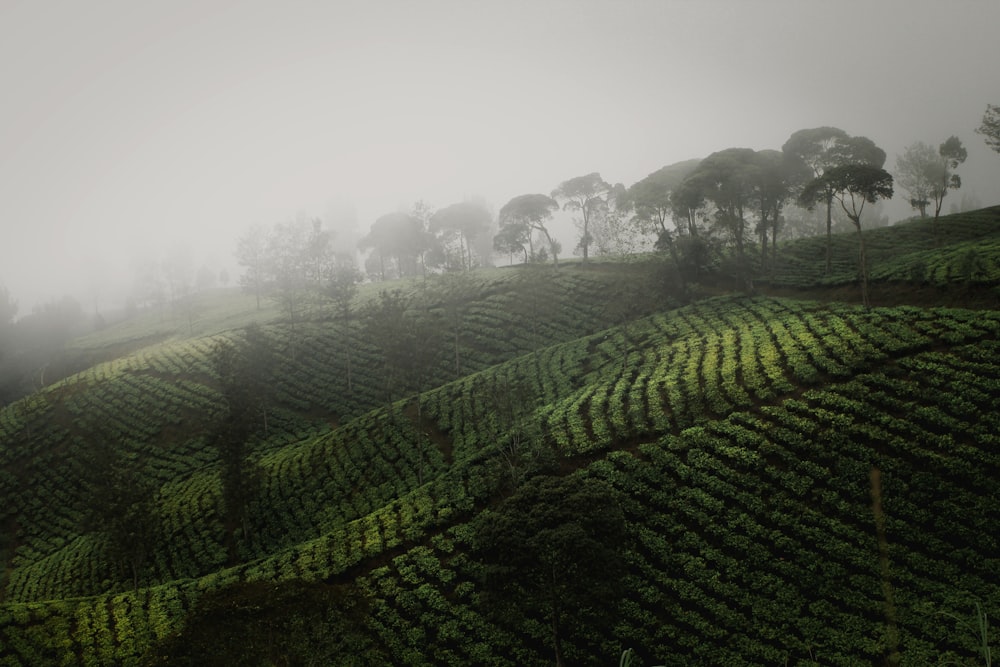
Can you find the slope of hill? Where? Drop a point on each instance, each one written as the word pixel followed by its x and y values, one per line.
pixel 803 483
pixel 962 251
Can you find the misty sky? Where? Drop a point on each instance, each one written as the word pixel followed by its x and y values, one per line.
pixel 129 127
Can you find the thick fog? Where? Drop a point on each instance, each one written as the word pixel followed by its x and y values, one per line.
pixel 131 130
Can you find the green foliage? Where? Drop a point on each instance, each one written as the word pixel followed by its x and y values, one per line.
pixel 289 623
pixel 554 550
pixel 737 435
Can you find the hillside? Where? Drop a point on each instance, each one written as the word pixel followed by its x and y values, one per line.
pixel 803 482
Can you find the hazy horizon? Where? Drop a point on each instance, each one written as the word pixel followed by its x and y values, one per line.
pixel 129 128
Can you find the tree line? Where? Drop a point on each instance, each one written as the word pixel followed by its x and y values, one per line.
pixel 725 211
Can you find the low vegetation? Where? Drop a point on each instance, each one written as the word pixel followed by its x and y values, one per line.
pixel 779 481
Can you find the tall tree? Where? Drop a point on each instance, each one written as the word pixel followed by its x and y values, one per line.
pixel 554 549
pixel 774 178
pixel 651 199
pixel 914 173
pixel 387 326
pixel 243 368
pixel 990 127
pixel 251 254
pixel 525 214
pixel 726 179
pixel 586 195
pixel 8 311
pixel 399 239
pixel 288 248
pixel 852 185
pixel 927 174
pixel 468 221
pixel 814 148
pixel 121 507
pixel 340 289
pixel 952 153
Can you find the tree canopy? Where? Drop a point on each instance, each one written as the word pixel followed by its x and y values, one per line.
pixel 852 185
pixel 554 548
pixel 651 198
pixel 990 127
pixel 588 195
pixel 927 174
pixel 520 218
pixel 468 221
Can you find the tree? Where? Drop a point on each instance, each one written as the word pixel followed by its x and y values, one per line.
pixel 341 288
pixel 555 549
pixel 121 506
pixel 287 250
pixel 651 199
pixel 8 311
pixel 726 179
pixel 523 215
pixel 813 147
pixel 455 292
pixel 513 238
pixel 587 195
pixel 914 174
pixel 990 127
pixel 243 367
pixel 952 153
pixel 774 177
pixel 852 186
pixel 508 420
pixel 466 220
pixel 927 175
pixel 386 325
pixel 401 240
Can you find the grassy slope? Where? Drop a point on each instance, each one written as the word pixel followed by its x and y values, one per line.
pixel 744 435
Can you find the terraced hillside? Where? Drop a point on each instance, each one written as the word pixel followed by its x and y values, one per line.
pixel 802 483
pixel 963 251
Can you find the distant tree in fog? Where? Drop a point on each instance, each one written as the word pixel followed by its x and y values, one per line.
pixel 586 195
pixel 775 177
pixel 464 222
pixel 990 127
pixel 251 254
pixel 926 174
pixel 340 289
pixel 726 179
pixel 651 198
pixel 853 185
pixel 520 218
pixel 814 147
pixel 243 370
pixel 399 241
pixel 8 311
pixel 121 507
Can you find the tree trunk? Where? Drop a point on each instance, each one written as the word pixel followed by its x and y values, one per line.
pixel 862 259
pixel 829 232
pixel 556 637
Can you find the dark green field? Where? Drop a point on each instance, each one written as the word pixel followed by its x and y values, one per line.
pixel 803 481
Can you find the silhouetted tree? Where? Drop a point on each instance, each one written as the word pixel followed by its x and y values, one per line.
pixel 341 288
pixel 401 239
pixel 524 215
pixel 8 311
pixel 243 368
pixel 465 220
pixel 814 148
pixel 727 179
pixel 554 549
pixel 586 195
pixel 852 186
pixel 775 177
pixel 990 127
pixel 121 507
